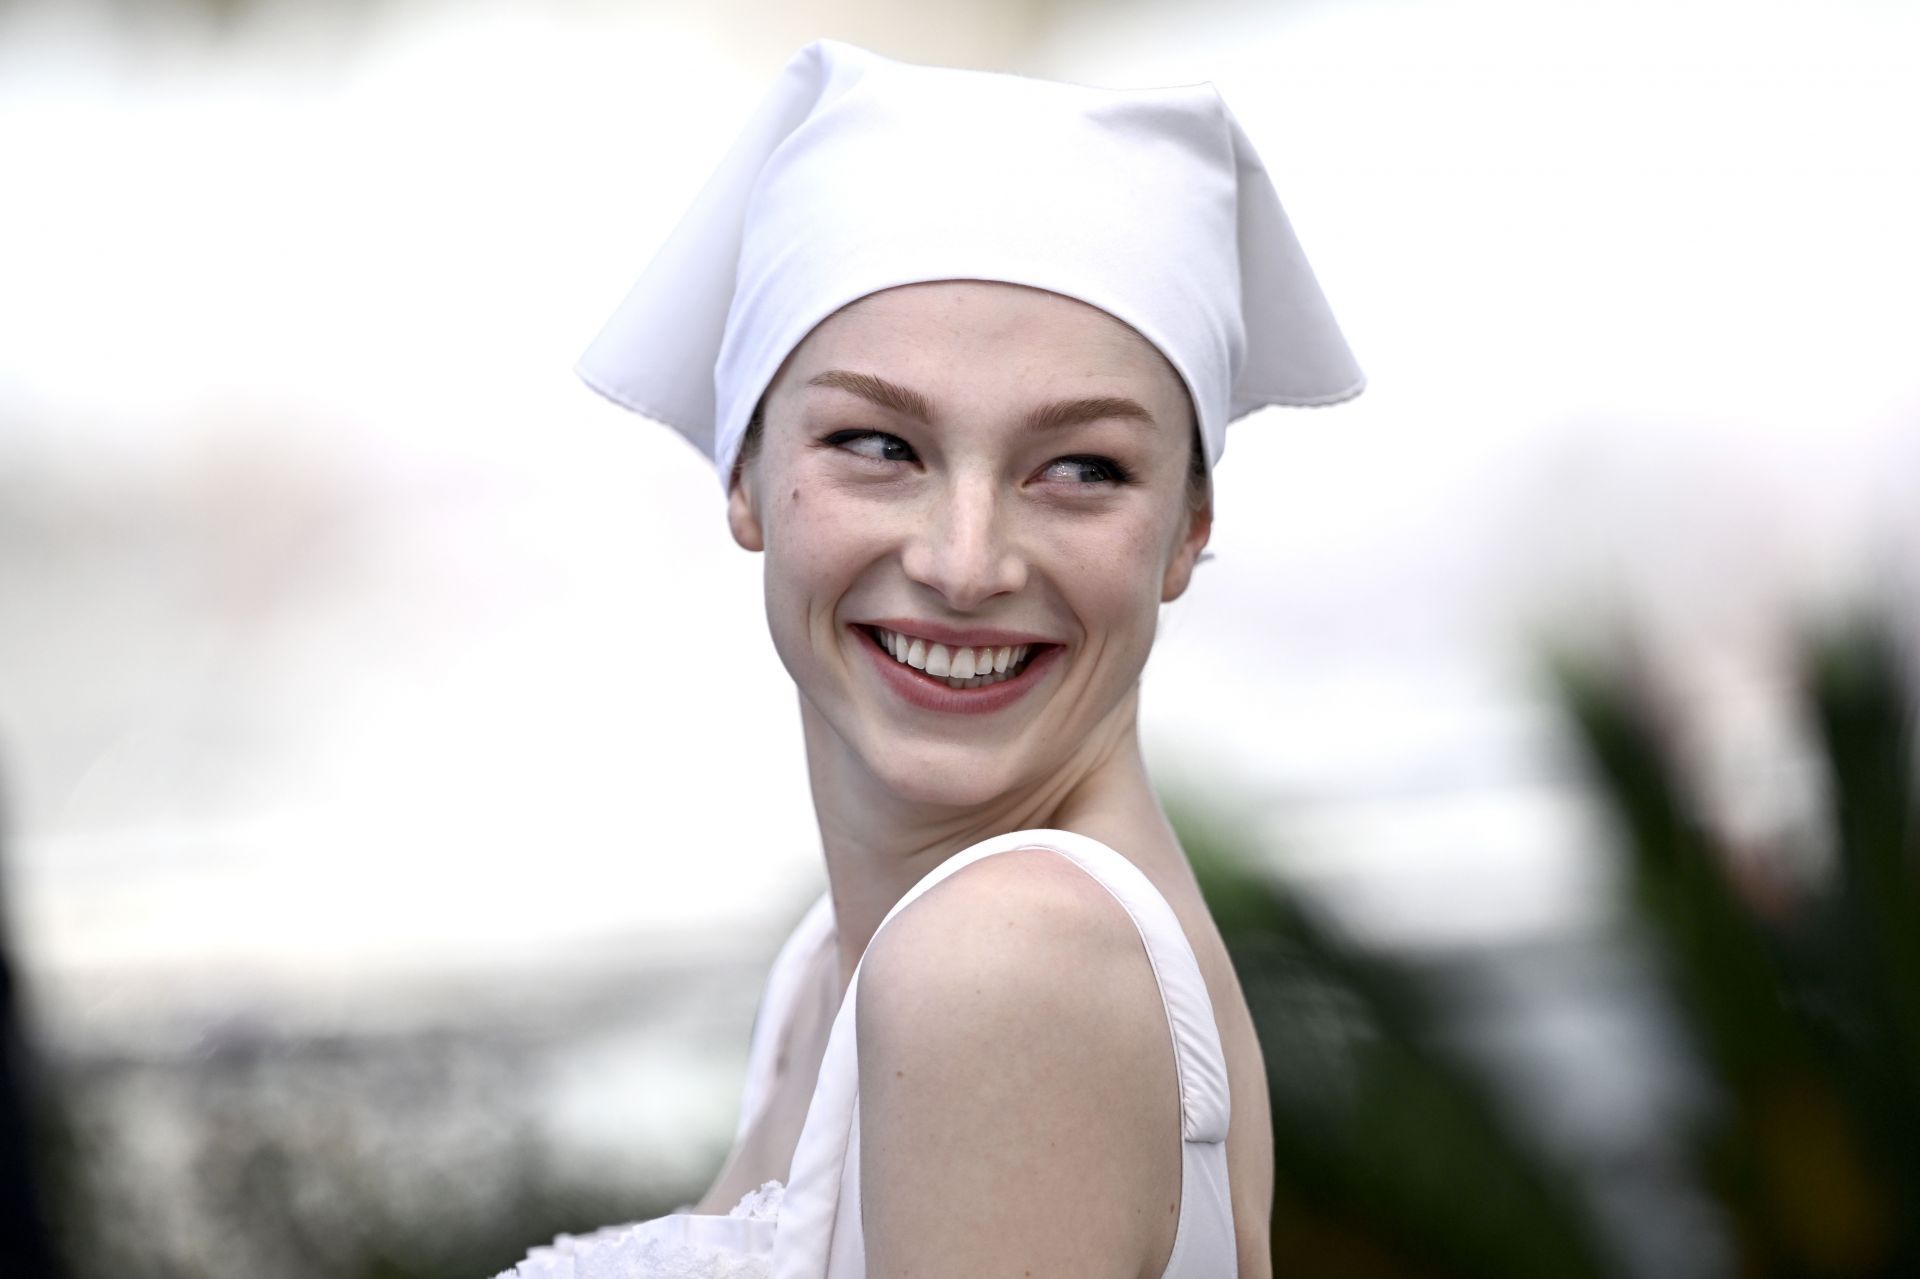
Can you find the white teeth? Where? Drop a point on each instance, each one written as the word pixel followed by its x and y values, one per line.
pixel 960 667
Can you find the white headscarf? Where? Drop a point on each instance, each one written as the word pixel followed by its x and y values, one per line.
pixel 859 173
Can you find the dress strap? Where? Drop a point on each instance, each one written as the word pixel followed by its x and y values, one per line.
pixel 811 1207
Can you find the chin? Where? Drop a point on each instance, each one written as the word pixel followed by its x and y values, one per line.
pixel 943 775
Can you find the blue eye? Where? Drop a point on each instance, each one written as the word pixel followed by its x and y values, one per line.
pixel 877 445
pixel 1088 470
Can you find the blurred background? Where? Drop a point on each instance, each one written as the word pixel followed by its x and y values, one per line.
pixel 359 668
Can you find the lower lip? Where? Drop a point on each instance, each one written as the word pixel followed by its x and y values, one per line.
pixel 932 694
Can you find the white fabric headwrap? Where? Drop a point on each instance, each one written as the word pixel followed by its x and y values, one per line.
pixel 859 173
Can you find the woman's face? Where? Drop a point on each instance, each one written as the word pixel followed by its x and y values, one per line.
pixel 973 498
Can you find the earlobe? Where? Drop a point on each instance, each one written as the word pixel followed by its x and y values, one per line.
pixel 743 517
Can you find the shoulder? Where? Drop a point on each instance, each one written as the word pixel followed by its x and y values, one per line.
pixel 1015 925
pixel 1016 1067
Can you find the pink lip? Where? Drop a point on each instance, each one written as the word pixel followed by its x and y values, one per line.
pixel 955 637
pixel 932 694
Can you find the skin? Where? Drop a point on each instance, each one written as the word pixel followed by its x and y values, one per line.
pixel 1018 1095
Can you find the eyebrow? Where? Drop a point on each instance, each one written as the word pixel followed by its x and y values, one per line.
pixel 1094 408
pixel 1048 417
pixel 888 395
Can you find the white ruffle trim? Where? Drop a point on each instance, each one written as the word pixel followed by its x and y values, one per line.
pixel 760 1205
pixel 681 1245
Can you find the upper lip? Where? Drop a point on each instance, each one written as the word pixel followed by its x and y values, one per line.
pixel 957 636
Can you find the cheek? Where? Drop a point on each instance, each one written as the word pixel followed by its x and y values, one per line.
pixel 815 546
pixel 1115 572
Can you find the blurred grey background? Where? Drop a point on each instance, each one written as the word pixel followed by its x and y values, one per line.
pixel 373 695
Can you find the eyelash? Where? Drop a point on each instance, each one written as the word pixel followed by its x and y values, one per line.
pixel 840 439
pixel 1114 473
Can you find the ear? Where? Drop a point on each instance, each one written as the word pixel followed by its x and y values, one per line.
pixel 1186 554
pixel 743 511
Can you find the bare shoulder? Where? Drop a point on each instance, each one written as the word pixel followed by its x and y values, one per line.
pixel 993 916
pixel 1021 951
pixel 1019 1100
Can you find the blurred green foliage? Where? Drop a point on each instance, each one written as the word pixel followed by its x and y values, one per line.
pixel 1804 1002
pixel 1392 1156
pixel 1799 1003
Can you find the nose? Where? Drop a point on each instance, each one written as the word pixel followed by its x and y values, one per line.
pixel 962 548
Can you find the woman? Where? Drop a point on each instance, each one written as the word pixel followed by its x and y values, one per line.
pixel 963 348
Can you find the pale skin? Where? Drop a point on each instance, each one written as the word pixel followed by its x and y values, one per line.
pixel 1019 1102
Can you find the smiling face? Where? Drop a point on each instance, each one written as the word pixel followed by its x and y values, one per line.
pixel 973 497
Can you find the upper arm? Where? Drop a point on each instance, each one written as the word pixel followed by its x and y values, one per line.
pixel 1018 1095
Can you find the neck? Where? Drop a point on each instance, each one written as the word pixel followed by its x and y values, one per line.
pixel 879 844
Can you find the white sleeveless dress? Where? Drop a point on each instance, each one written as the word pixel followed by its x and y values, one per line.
pixel 811 1228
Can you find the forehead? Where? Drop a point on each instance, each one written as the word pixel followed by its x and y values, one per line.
pixel 985 336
